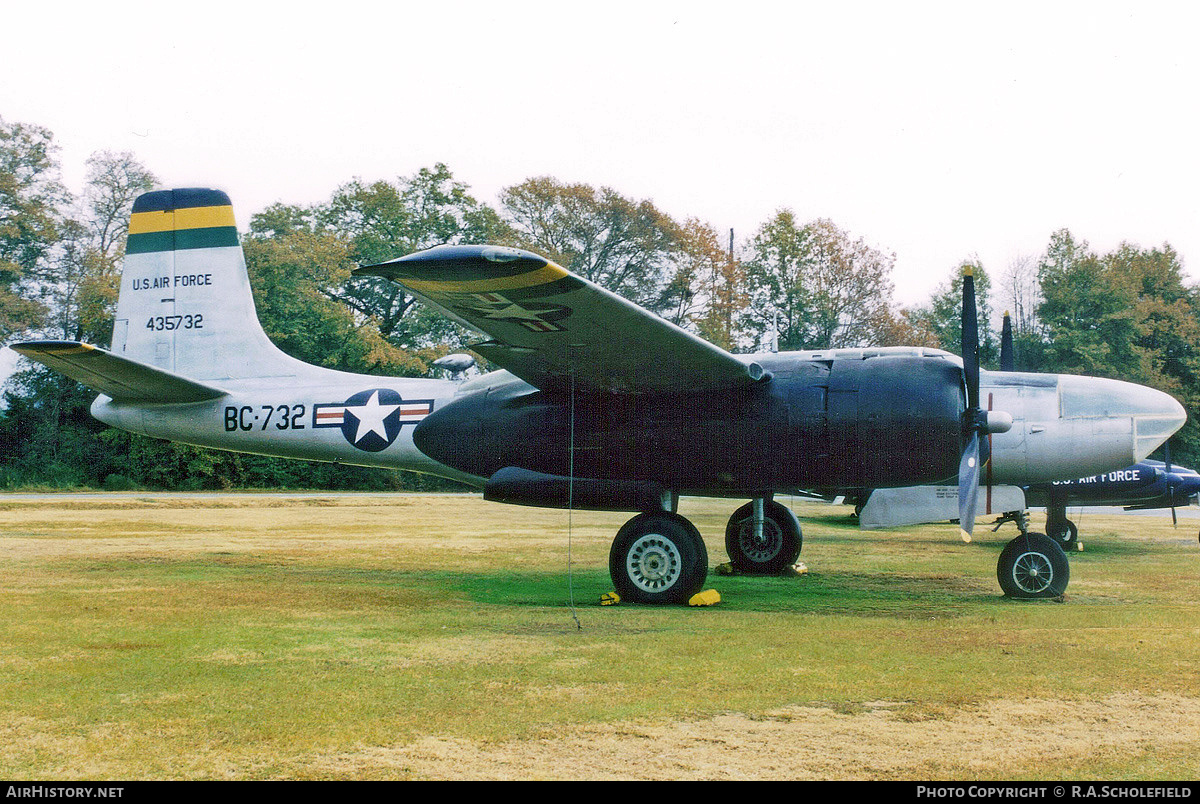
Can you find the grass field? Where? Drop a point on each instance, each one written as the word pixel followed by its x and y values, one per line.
pixel 431 637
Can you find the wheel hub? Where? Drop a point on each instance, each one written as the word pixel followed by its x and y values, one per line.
pixel 1032 572
pixel 654 563
pixel 763 549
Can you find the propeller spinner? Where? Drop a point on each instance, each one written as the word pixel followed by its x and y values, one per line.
pixel 976 421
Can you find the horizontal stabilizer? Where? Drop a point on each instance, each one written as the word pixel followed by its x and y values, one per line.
pixel 118 377
pixel 916 505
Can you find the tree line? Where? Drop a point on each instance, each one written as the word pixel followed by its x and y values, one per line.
pixel 791 284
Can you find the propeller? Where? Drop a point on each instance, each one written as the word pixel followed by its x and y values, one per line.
pixel 1170 481
pixel 976 421
pixel 1008 357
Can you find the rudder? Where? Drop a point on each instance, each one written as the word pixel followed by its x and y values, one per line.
pixel 185 304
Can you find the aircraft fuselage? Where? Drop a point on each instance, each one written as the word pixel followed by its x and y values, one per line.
pixel 836 419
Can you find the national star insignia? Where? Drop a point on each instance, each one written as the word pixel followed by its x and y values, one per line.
pixel 370 417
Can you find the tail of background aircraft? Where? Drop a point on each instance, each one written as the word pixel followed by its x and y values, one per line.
pixel 185 305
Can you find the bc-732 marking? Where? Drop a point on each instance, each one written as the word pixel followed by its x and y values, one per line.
pixel 286 417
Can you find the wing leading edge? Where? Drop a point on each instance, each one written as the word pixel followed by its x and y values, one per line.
pixel 548 325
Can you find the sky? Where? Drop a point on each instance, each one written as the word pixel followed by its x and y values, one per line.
pixel 936 132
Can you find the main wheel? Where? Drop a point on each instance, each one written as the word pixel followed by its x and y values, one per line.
pixel 1063 531
pixel 658 558
pixel 778 548
pixel 1033 566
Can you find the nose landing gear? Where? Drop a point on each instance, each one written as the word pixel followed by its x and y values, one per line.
pixel 1032 567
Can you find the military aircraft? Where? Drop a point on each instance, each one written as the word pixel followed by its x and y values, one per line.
pixel 599 404
pixel 1144 485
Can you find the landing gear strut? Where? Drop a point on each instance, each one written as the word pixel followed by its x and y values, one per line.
pixel 1019 518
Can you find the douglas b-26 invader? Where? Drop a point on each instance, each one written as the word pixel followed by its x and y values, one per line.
pixel 599 403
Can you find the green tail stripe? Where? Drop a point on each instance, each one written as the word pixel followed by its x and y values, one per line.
pixel 180 239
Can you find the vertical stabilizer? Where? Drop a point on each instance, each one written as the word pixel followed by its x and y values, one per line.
pixel 185 304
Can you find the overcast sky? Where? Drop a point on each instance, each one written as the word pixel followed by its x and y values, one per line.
pixel 934 131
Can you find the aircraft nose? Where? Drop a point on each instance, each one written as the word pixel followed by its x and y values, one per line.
pixel 1155 415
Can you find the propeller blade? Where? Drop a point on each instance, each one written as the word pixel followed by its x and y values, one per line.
pixel 1170 486
pixel 1007 354
pixel 970 339
pixel 969 464
pixel 968 487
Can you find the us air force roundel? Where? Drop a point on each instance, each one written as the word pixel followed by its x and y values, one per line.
pixel 371 420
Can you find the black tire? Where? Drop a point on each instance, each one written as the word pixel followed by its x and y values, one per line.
pixel 1032 567
pixel 1063 531
pixel 658 558
pixel 780 547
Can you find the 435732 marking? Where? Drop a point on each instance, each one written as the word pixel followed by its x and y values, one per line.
pixel 171 322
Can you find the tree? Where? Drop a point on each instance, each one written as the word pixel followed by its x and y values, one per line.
pixel 629 247
pixel 815 287
pixel 382 221
pixel 31 215
pixel 291 276
pixel 1127 315
pixel 776 279
pixel 719 282
pixel 84 275
pixel 1086 319
pixel 1021 296
pixel 373 223
pixel 1165 329
pixel 850 290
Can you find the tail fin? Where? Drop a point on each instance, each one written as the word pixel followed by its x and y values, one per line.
pixel 185 304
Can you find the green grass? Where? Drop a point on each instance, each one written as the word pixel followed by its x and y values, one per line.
pixel 249 638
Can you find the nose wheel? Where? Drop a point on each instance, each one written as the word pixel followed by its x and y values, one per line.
pixel 1032 567
pixel 1063 531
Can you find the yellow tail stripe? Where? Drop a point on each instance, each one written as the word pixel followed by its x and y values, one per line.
pixel 175 220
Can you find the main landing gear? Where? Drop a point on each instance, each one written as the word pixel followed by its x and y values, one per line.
pixel 1061 529
pixel 659 556
pixel 763 538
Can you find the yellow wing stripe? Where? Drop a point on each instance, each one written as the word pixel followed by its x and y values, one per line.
pixel 73 349
pixel 175 220
pixel 541 276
